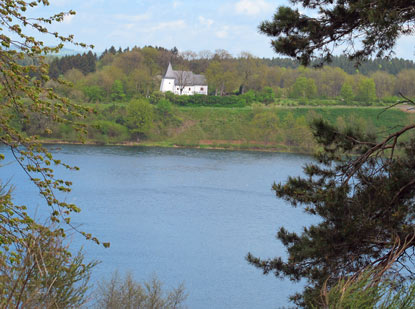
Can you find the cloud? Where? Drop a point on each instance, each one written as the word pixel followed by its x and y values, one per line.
pixel 222 33
pixel 170 25
pixel 68 18
pixel 61 2
pixel 252 7
pixel 176 4
pixel 132 18
pixel 205 21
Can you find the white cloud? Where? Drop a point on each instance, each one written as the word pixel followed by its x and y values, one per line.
pixel 222 33
pixel 173 25
pixel 205 21
pixel 132 18
pixel 176 4
pixel 68 18
pixel 60 2
pixel 130 26
pixel 253 7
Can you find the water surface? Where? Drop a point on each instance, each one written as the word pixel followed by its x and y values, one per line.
pixel 185 215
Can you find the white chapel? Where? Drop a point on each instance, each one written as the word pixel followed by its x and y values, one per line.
pixel 183 82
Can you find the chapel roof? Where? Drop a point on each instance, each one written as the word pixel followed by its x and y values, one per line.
pixel 185 78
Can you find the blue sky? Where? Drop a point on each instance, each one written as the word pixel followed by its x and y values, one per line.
pixel 186 24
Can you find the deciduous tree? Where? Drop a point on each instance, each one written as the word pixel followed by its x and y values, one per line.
pixel 140 117
pixel 27 248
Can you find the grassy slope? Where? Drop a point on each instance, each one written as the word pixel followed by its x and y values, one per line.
pixel 235 128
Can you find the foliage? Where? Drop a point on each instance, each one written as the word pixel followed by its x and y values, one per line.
pixel 368 66
pixel 94 93
pixel 24 97
pixel 303 88
pixel 36 268
pixel 212 101
pixel 117 91
pixel 127 293
pixel 266 96
pixel 347 92
pixel 369 289
pixel 139 117
pixel 361 186
pixel 34 262
pixel 86 63
pixel 367 91
pixel 136 72
pixel 362 203
pixel 266 123
pixel 107 131
pixel 164 107
pixel 377 25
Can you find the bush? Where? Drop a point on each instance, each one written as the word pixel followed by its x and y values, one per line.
pixel 127 293
pixel 37 270
pixel 140 116
pixel 112 131
pixel 266 95
pixel 203 100
pixel 94 93
pixel 248 96
pixel 164 107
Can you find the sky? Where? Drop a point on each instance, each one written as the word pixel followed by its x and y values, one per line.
pixel 186 24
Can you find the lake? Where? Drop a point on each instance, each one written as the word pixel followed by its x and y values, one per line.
pixel 185 215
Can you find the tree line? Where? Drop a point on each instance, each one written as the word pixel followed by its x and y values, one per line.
pixel 119 75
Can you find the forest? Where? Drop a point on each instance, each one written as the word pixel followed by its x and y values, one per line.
pixel 359 253
pixel 119 75
pixel 253 103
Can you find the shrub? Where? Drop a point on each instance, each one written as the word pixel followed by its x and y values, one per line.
pixel 113 131
pixel 212 101
pixel 127 293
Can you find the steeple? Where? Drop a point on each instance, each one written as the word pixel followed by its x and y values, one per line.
pixel 170 72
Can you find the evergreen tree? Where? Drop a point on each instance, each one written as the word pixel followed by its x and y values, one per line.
pixel 364 203
pixel 112 50
pixel 362 186
pixel 378 24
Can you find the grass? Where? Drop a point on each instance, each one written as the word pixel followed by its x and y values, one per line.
pixel 238 128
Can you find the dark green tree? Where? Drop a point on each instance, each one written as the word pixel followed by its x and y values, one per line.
pixel 362 186
pixel 363 195
pixel 378 24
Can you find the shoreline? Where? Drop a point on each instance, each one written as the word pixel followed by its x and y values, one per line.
pixel 212 146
